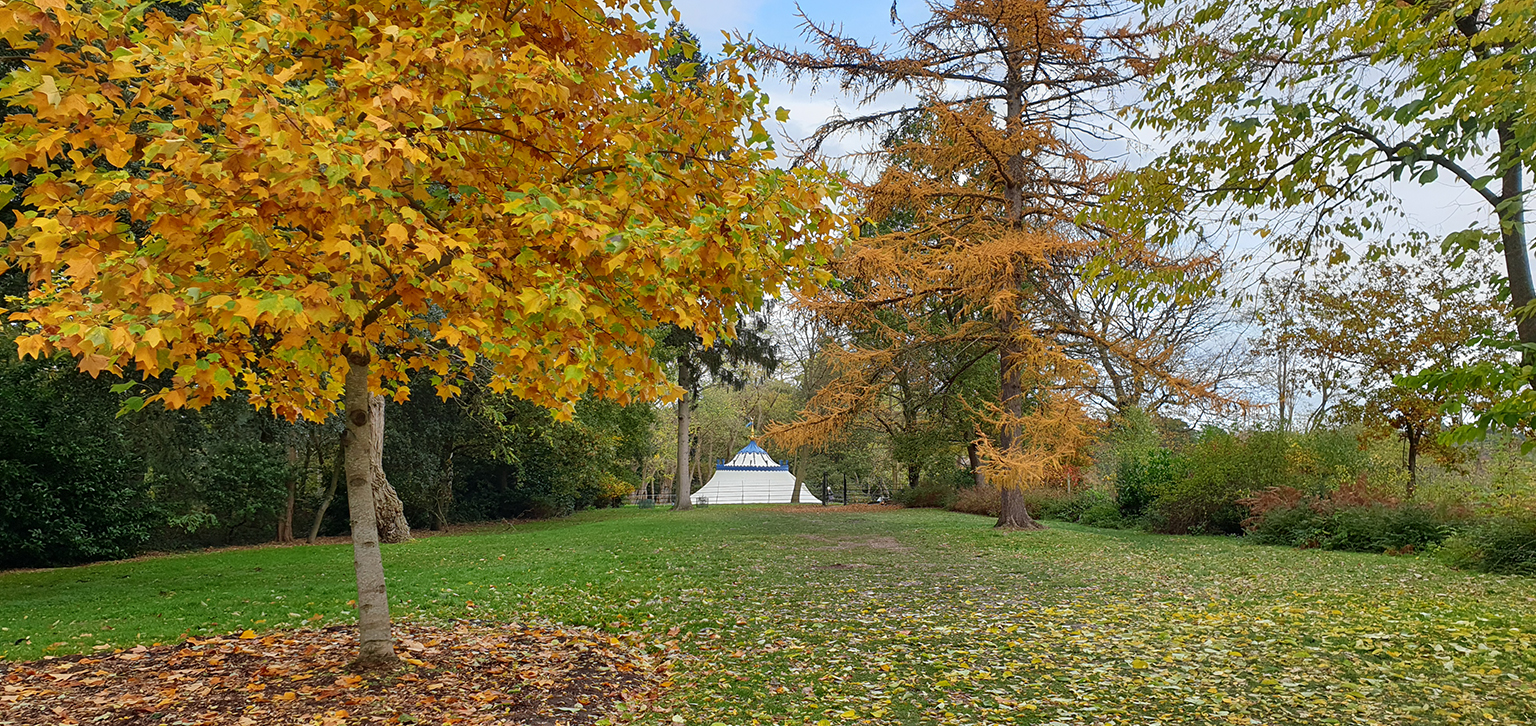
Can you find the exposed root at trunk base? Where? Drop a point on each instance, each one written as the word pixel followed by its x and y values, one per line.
pixel 1026 526
pixel 376 663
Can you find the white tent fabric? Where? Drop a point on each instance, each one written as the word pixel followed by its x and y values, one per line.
pixel 752 477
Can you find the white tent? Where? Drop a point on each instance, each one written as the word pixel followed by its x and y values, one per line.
pixel 752 477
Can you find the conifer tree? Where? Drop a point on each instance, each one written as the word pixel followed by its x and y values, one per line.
pixel 978 206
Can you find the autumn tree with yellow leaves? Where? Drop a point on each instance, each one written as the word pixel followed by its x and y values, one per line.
pixel 976 213
pixel 308 202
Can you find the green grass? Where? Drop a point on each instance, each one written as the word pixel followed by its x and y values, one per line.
pixel 910 616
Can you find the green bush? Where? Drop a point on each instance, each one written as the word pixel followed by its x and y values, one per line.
pixel 1072 508
pixel 1503 545
pixel 1142 479
pixel 71 487
pixel 928 495
pixel 1102 512
pixel 1219 469
pixel 1377 527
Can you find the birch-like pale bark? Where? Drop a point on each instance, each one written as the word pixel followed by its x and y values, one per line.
pixel 376 644
pixel 390 511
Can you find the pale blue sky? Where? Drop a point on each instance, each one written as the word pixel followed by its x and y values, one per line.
pixel 1440 207
pixel 775 22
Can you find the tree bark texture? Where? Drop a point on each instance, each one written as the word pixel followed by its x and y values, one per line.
pixel 979 477
pixel 794 498
pixel 393 529
pixel 376 648
pixel 684 487
pixel 285 522
pixel 1414 438
pixel 1510 209
pixel 337 467
pixel 1012 512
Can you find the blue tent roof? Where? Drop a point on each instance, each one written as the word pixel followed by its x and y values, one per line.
pixel 751 458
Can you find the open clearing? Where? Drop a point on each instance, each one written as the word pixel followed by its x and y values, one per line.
pixel 899 616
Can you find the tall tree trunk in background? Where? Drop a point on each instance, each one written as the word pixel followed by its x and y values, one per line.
pixel 1013 513
pixel 684 487
pixel 376 643
pixel 794 498
pixel 285 522
pixel 914 475
pixel 330 492
pixel 1510 209
pixel 442 496
pixel 393 529
pixel 978 477
pixel 1414 437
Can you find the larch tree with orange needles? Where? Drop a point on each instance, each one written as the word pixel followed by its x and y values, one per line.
pixel 307 202
pixel 980 186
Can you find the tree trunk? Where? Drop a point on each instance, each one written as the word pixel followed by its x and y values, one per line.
pixel 442 500
pixel 330 491
pixel 794 498
pixel 285 522
pixel 914 475
pixel 376 645
pixel 684 488
pixel 1012 513
pixel 974 453
pixel 393 529
pixel 1517 262
pixel 1414 437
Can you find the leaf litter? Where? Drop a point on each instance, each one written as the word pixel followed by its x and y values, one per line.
pixel 462 672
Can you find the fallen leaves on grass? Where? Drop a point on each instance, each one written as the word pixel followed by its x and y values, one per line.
pixel 1094 631
pixel 462 673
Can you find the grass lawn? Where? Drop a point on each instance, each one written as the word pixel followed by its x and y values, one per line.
pixel 900 616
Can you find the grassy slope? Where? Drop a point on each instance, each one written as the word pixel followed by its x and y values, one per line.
pixel 895 617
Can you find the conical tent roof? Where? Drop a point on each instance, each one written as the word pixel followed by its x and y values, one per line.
pixel 752 477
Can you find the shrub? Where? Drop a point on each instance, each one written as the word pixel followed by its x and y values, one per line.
pixel 1042 502
pixel 1219 469
pixel 1102 512
pixel 1142 479
pixel 1503 545
pixel 1351 518
pixel 71 487
pixel 982 499
pixel 928 495
pixel 1072 508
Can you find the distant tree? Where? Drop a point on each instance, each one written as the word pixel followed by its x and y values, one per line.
pixel 1374 323
pixel 1308 113
pixel 986 177
pixel 726 361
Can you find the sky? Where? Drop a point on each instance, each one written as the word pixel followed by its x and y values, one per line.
pixel 1438 208
pixel 776 22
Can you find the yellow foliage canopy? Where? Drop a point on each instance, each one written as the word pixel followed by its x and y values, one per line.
pixel 234 200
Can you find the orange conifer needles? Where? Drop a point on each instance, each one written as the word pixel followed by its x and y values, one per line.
pixel 977 233
pixel 228 202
